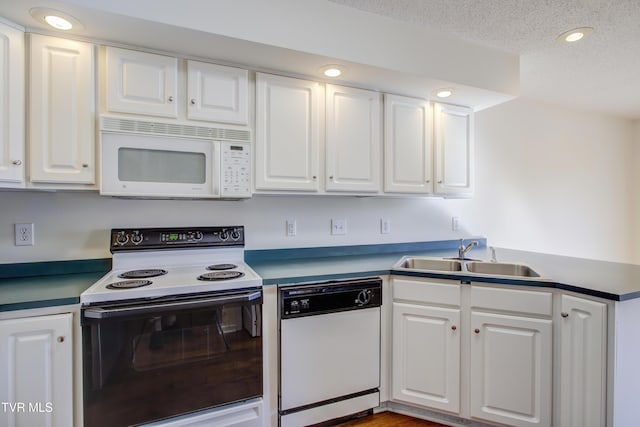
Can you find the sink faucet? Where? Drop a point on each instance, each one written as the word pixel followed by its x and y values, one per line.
pixel 462 250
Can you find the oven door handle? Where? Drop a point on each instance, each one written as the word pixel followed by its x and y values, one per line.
pixel 106 313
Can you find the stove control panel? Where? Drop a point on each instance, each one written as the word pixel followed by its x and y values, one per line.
pixel 175 238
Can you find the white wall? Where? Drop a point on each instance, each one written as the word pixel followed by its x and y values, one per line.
pixel 76 225
pixel 636 191
pixel 548 179
pixel 556 180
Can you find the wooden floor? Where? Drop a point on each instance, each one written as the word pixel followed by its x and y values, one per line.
pixel 389 419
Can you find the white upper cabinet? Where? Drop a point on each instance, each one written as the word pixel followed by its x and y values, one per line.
pixel 353 140
pixel 61 111
pixel 453 133
pixel 141 83
pixel 288 133
pixel 217 93
pixel 408 163
pixel 12 152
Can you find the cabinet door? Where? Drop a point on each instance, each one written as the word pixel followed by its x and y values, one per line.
pixel 353 140
pixel 36 371
pixel 510 378
pixel 426 356
pixel 407 145
pixel 288 131
pixel 11 106
pixel 217 93
pixel 141 83
pixel 61 111
pixel 583 349
pixel 453 133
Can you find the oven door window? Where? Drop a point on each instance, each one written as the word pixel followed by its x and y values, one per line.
pixel 141 368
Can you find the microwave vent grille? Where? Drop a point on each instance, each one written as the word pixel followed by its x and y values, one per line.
pixel 174 129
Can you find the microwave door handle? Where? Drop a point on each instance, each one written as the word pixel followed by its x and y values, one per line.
pixel 106 313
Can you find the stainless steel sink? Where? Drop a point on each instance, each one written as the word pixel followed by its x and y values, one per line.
pixel 501 269
pixel 468 267
pixel 431 264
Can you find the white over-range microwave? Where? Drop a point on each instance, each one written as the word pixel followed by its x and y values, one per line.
pixel 160 160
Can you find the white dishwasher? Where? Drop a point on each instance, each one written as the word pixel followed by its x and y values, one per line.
pixel 329 351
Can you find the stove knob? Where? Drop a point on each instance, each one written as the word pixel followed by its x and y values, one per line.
pixel 136 238
pixel 235 235
pixel 122 238
pixel 224 235
pixel 198 235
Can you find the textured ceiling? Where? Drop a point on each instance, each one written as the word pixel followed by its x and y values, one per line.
pixel 600 73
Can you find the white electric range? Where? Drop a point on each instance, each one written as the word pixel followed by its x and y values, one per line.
pixel 172 335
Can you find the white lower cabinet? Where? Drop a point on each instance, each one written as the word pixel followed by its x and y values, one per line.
pixel 426 355
pixel 426 341
pixel 494 341
pixel 36 371
pixel 510 375
pixel 583 348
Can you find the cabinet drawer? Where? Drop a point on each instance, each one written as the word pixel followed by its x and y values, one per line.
pixel 531 302
pixel 433 291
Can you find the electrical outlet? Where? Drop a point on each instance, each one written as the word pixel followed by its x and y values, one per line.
pixel 291 227
pixel 24 234
pixel 385 226
pixel 338 226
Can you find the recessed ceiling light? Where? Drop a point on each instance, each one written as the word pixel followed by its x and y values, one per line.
pixel 332 71
pixel 443 93
pixel 574 35
pixel 58 22
pixel 55 18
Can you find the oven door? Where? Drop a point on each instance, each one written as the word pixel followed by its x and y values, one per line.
pixel 153 166
pixel 147 362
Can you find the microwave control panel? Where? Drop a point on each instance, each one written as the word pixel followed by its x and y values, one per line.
pixel 236 170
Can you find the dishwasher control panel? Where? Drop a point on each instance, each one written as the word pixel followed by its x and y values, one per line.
pixel 329 297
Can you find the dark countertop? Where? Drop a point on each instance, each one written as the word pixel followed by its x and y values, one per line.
pixel 37 285
pixel 44 291
pixel 47 284
pixel 609 280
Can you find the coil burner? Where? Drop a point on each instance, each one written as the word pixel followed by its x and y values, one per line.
pixel 129 284
pixel 220 275
pixel 142 274
pixel 217 267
